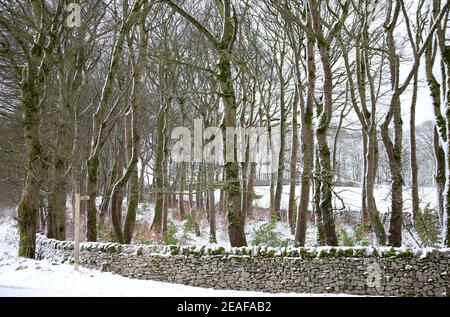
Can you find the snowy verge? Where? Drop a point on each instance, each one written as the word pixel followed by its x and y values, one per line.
pixel 26 277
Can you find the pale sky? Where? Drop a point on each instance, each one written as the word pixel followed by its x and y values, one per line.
pixel 424 106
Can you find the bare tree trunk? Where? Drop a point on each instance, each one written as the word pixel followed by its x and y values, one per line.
pixel 444 131
pixel 372 159
pixel 272 176
pixel 323 122
pixel 372 155
pixel 56 220
pixel 439 174
pixel 92 171
pixel 159 171
pixel 307 140
pixel 117 195
pixel 133 135
pixel 56 224
pixel 439 136
pixel 28 209
pixel 190 187
pixel 198 189
pixel 395 163
pixel 326 208
pixel 211 206
pixel 342 115
pixel 235 216
pixel 193 207
pixel 364 213
pixel 133 202
pixel 250 190
pixel 166 182
pixel 283 128
pixel 394 150
pixel 181 190
pixel 413 150
pixel 317 194
pixel 446 214
pixel 293 167
pixel 108 188
pixel 272 211
pixel 32 82
pixel 165 213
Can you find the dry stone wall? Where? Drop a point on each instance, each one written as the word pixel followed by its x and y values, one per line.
pixel 359 271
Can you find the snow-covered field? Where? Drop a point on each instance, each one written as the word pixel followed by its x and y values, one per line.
pixel 344 198
pixel 351 196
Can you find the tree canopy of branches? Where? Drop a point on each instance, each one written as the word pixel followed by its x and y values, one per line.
pixel 90 108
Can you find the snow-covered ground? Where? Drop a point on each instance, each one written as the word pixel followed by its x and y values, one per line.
pixel 351 196
pixel 26 277
pixel 344 198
